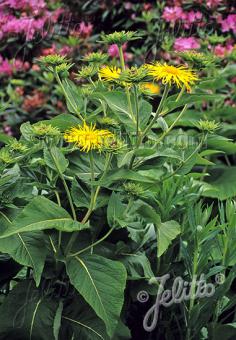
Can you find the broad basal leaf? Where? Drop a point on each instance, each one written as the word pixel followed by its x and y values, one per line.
pixel 40 214
pixel 222 183
pixel 101 282
pixel 79 319
pixel 28 249
pixel 26 314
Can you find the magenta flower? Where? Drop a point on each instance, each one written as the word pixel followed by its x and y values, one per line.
pixel 113 52
pixel 229 23
pixel 213 3
pixel 85 30
pixel 222 51
pixel 173 14
pixel 183 44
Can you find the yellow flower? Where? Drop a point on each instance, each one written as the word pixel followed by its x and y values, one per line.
pixel 168 74
pixel 150 88
pixel 88 137
pixel 109 73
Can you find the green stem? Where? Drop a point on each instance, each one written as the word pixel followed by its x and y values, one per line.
pixel 137 113
pixel 164 96
pixel 193 288
pixel 122 60
pixel 141 137
pixel 93 244
pixel 65 186
pixel 172 126
pixel 66 95
pixel 122 63
pixel 92 204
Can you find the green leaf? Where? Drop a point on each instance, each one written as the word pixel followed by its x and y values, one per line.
pixel 115 211
pixel 26 314
pixel 122 174
pixel 75 100
pixel 57 321
pixel 28 249
pixel 222 183
pixel 41 214
pixel 55 159
pixel 81 197
pixel 5 138
pixel 138 266
pixel 193 98
pixel 221 143
pixel 101 282
pixel 63 121
pixel 167 232
pixel 80 319
pixel 118 103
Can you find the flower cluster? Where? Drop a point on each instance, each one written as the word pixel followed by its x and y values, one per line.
pixel 32 20
pixel 9 67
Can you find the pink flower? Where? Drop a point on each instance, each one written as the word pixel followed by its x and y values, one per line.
pixel 222 51
pixel 5 68
pixel 191 18
pixel 128 5
pixel 229 23
pixel 113 50
pixel 213 3
pixel 182 44
pixel 85 30
pixel 65 50
pixel 172 14
pixel 147 7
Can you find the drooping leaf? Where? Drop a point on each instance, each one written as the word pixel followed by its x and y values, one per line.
pixel 167 232
pixel 80 319
pixel 101 282
pixel 28 249
pixel 74 99
pixel 55 159
pixel 27 314
pixel 41 214
pixel 222 183
pixel 115 211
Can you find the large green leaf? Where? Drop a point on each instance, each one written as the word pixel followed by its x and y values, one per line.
pixel 166 231
pixel 28 249
pixel 74 100
pixel 79 319
pixel 101 282
pixel 193 98
pixel 55 159
pixel 115 211
pixel 26 314
pixel 118 103
pixel 40 214
pixel 222 183
pixel 63 121
pixel 221 143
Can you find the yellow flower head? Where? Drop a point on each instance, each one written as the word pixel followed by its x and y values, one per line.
pixel 168 74
pixel 150 88
pixel 88 137
pixel 109 73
